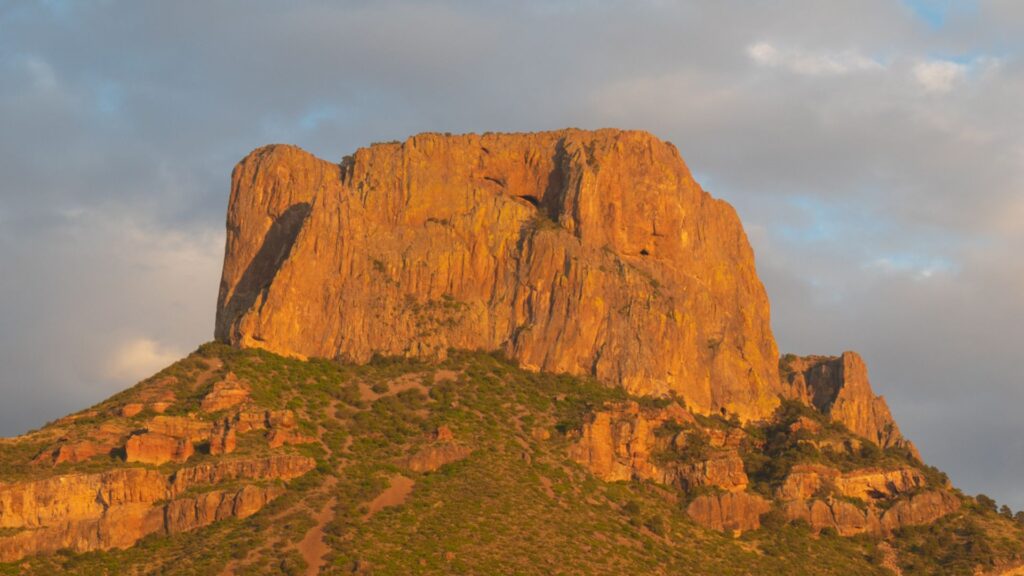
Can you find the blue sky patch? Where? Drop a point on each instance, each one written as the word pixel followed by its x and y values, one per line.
pixel 937 12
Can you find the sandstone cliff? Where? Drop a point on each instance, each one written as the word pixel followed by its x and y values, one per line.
pixel 573 251
pixel 115 509
pixel 838 386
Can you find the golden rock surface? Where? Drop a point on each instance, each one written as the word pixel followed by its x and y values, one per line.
pixel 584 252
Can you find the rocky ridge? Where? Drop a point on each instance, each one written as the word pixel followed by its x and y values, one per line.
pixel 838 386
pixel 114 509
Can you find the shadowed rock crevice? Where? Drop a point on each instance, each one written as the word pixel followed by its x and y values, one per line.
pixel 276 246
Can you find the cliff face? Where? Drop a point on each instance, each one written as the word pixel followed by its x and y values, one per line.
pixel 84 512
pixel 580 252
pixel 838 386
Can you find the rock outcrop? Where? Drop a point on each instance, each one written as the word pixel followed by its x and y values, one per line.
pixel 223 439
pixel 186 514
pixel 621 443
pixel 868 500
pixel 443 449
pixel 805 481
pixel 115 509
pixel 921 508
pixel 729 512
pixel 226 393
pixel 616 444
pixel 74 452
pixel 838 386
pixel 848 518
pixel 157 448
pixel 191 429
pixel 572 251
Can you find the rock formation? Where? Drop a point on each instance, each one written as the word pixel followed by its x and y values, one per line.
pixel 223 439
pixel 115 509
pixel 729 512
pixel 226 393
pixel 157 448
pixel 848 518
pixel 838 386
pixel 918 509
pixel 861 501
pixel 443 449
pixel 804 481
pixel 624 442
pixel 572 251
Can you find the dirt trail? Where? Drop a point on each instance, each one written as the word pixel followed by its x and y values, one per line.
pixel 312 546
pixel 394 495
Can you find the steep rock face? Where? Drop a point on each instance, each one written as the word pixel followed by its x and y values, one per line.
pixel 867 484
pixel 922 508
pixel 279 466
pixel 844 517
pixel 573 251
pixel 854 502
pixel 873 484
pixel 115 509
pixel 223 439
pixel 76 497
pixel 187 514
pixel 729 512
pixel 848 519
pixel 838 386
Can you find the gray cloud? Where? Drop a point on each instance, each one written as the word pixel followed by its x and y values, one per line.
pixel 875 157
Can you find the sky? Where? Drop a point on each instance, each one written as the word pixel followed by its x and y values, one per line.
pixel 873 148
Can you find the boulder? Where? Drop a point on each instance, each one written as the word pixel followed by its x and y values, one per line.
pixel 225 394
pixel 157 448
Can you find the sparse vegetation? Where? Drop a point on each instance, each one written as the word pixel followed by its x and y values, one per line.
pixel 517 504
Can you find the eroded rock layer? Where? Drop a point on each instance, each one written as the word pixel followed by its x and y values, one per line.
pixel 83 512
pixel 573 251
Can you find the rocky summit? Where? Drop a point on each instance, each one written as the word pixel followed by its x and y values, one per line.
pixel 587 253
pixel 542 353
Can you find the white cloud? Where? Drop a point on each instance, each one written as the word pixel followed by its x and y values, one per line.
pixel 939 76
pixel 138 358
pixel 806 63
pixel 41 74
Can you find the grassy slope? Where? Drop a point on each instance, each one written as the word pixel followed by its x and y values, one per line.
pixel 516 505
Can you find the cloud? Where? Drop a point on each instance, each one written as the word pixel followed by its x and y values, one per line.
pixel 939 76
pixel 811 63
pixel 137 358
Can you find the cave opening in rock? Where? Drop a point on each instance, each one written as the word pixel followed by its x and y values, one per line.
pixel 531 199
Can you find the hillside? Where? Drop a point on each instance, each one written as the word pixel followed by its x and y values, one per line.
pixel 540 353
pixel 467 467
